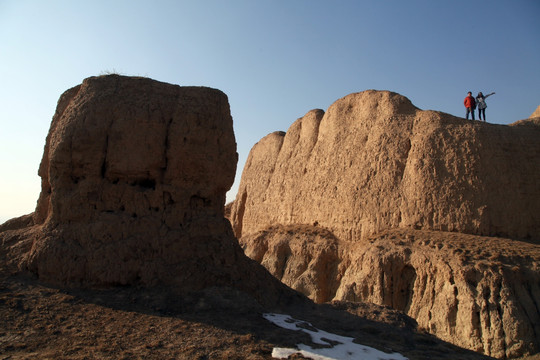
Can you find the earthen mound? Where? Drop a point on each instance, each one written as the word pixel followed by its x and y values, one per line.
pixel 379 201
pixel 373 161
pixel 134 175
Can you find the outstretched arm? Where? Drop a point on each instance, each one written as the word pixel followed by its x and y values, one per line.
pixel 489 94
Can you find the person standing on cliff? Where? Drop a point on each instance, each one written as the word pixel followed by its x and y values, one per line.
pixel 470 105
pixel 481 103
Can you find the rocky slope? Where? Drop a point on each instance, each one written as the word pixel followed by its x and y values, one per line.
pixel 376 200
pixel 43 322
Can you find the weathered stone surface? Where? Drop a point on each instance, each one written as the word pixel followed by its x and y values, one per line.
pixel 378 201
pixel 305 258
pixel 374 161
pixel 134 176
pixel 480 293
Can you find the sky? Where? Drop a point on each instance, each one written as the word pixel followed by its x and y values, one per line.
pixel 275 60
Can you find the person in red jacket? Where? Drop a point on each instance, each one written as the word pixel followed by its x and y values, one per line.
pixel 470 105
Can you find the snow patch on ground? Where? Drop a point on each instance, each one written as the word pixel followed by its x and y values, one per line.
pixel 336 347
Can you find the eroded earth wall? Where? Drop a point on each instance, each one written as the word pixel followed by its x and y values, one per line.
pixel 373 161
pixel 134 176
pixel 379 201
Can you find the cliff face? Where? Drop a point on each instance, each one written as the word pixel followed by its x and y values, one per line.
pixel 378 201
pixel 374 162
pixel 134 175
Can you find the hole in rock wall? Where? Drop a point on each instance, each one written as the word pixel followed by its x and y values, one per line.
pixel 405 289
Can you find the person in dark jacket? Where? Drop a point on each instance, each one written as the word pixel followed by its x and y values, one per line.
pixel 470 105
pixel 481 104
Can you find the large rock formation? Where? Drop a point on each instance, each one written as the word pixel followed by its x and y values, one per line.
pixel 134 176
pixel 373 161
pixel 376 200
pixel 480 293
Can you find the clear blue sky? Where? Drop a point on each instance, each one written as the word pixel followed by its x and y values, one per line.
pixel 275 59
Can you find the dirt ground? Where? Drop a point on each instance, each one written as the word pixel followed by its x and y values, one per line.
pixel 38 321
